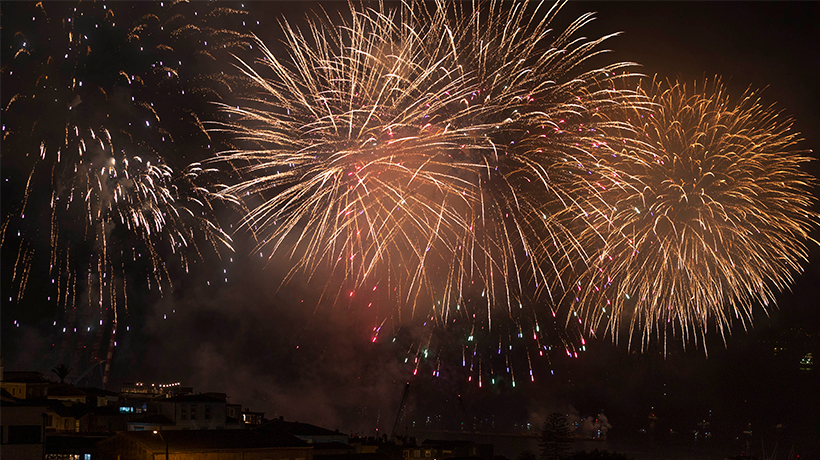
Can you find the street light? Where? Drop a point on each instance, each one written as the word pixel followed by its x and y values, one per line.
pixel 163 440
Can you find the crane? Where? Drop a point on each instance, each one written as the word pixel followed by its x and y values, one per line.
pixel 78 379
pixel 401 410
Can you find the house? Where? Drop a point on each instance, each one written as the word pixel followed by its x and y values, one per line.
pixel 250 417
pixel 23 430
pixel 194 412
pixel 199 444
pixel 25 384
pixel 234 410
pixel 63 418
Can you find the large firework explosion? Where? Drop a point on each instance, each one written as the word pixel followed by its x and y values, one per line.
pixel 87 99
pixel 416 151
pixel 707 215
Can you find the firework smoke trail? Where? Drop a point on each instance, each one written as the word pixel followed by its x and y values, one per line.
pixel 708 215
pixel 412 149
pixel 82 113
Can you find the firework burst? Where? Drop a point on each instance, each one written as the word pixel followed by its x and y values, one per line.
pixel 412 151
pixel 707 215
pixel 85 143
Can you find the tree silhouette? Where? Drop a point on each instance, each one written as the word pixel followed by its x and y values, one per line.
pixel 61 371
pixel 556 439
pixel 527 455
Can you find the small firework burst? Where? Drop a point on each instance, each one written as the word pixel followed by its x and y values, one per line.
pixel 708 215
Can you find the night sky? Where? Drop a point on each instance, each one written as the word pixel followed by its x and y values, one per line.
pixel 228 327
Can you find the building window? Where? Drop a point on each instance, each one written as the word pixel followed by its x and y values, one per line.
pixel 193 411
pixel 183 412
pixel 427 453
pixel 416 454
pixel 207 413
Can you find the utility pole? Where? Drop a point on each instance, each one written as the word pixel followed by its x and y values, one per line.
pixel 165 441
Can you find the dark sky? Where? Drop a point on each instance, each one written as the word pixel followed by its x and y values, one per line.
pixel 269 352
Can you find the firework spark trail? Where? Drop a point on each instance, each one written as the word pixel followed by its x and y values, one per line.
pixel 708 215
pixel 115 202
pixel 415 147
